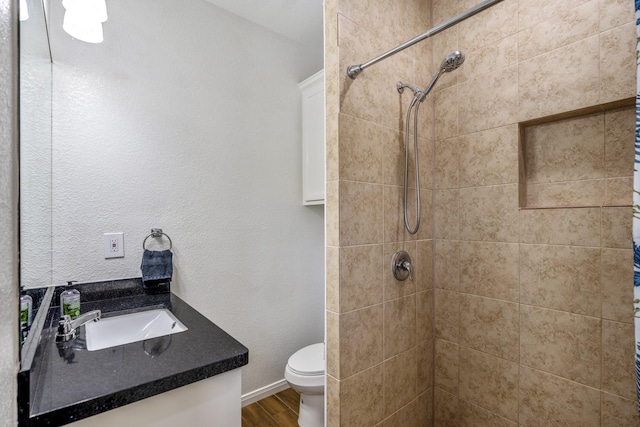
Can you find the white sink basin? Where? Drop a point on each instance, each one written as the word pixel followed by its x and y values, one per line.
pixel 128 328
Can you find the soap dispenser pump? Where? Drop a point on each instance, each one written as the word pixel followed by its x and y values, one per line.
pixel 70 301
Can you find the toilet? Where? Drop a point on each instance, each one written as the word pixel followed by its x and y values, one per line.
pixel 305 374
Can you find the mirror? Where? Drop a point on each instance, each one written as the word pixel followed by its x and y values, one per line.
pixel 35 149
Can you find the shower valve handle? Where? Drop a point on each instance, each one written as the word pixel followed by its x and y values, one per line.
pixel 401 266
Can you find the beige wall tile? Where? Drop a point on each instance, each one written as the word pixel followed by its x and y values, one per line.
pixel 425 408
pixel 425 356
pixel 561 343
pixel 400 381
pixel 399 325
pixel 361 149
pixel 394 288
pixel 565 150
pixel 616 227
pixel 333 344
pixel 561 277
pixel 578 227
pixel 617 277
pixel 489 213
pixel 424 316
pixel 360 340
pixel 619 131
pixel 489 157
pixel 566 194
pixel 360 276
pixel 493 24
pixel 446 117
pixel 445 408
pixel 361 398
pixel 425 231
pixel 360 213
pixel 446 169
pixel 393 157
pixel 491 100
pixel 614 13
pixel 489 58
pixel 332 213
pixel 559 30
pixel 332 279
pixel 393 209
pixel 618 359
pixel 470 415
pixel 490 326
pixel 619 412
pixel 447 315
pixel 424 275
pixel 548 400
pixel 619 192
pixel 549 84
pixel 618 63
pixel 446 214
pixel 333 402
pixel 489 269
pixel 443 10
pixel 446 366
pixel 532 12
pixel 489 382
pixel 405 416
pixel 447 264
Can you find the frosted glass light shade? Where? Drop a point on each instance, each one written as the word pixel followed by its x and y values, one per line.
pixel 89 31
pixel 24 11
pixel 83 19
pixel 88 9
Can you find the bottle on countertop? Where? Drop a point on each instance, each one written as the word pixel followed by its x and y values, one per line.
pixel 70 301
pixel 26 306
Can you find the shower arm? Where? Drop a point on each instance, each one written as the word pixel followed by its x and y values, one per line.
pixel 354 70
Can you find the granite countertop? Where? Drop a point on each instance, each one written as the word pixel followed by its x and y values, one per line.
pixel 67 382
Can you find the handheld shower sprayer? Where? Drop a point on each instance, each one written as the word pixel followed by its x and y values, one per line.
pixel 450 63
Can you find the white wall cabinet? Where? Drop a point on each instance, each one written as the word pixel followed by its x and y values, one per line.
pixel 313 144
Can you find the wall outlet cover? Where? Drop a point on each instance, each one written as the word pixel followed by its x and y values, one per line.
pixel 113 245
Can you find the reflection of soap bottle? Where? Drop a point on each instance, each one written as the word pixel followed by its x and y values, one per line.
pixel 70 302
pixel 26 304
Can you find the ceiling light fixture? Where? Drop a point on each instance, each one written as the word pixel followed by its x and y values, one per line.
pixel 83 19
pixel 24 11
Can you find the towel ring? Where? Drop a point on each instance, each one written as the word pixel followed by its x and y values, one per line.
pixel 157 232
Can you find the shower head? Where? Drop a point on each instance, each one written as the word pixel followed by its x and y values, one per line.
pixel 450 63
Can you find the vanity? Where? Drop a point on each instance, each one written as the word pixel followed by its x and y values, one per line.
pixel 191 376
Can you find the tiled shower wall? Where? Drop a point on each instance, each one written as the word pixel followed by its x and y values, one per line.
pixel 379 330
pixel 533 313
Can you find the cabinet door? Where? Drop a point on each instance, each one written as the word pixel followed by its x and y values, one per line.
pixel 313 145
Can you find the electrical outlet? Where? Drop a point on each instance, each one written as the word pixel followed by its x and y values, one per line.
pixel 113 245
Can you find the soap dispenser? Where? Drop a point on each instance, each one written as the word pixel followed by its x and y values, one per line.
pixel 70 301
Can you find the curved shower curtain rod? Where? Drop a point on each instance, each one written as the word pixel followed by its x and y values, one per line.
pixel 354 70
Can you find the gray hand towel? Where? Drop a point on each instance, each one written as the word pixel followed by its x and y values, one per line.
pixel 157 268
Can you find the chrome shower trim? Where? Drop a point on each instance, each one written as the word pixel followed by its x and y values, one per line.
pixel 400 86
pixel 354 70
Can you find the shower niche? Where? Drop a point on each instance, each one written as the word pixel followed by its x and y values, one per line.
pixel 582 158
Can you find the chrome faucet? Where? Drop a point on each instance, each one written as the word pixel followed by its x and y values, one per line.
pixel 67 327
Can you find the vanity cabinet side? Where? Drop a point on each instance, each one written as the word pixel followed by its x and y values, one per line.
pixel 313 144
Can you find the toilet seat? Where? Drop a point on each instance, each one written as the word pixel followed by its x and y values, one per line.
pixel 308 361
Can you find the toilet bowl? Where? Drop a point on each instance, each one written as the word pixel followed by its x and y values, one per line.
pixel 305 374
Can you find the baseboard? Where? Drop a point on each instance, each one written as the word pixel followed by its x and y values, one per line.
pixel 266 391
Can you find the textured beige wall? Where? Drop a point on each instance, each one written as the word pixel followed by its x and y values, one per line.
pixel 8 212
pixel 379 330
pixel 533 316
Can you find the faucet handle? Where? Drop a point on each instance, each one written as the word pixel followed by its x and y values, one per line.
pixel 401 266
